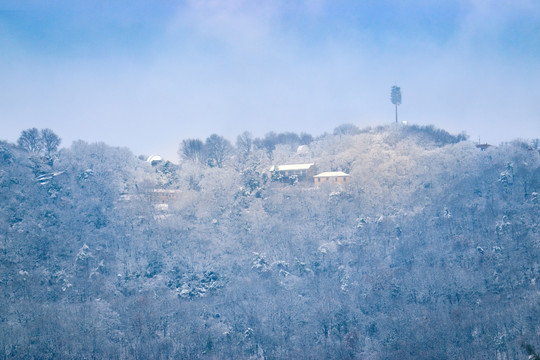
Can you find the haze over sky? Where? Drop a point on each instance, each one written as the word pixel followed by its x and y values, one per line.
pixel 147 74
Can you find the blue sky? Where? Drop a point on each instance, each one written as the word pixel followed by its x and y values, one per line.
pixel 147 74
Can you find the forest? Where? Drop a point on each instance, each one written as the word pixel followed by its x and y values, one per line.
pixel 430 251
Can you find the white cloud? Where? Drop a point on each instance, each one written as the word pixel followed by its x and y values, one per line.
pixel 487 20
pixel 237 22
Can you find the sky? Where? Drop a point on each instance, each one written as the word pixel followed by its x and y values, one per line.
pixel 147 74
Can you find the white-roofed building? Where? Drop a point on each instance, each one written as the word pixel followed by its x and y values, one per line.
pixel 154 159
pixel 292 172
pixel 333 177
pixel 302 150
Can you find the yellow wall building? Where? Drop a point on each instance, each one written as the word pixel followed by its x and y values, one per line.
pixel 333 177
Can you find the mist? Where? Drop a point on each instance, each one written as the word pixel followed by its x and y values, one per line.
pixel 198 68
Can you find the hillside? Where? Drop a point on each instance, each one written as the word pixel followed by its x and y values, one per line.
pixel 430 251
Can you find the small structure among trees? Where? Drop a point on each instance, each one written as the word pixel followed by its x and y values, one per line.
pixel 293 172
pixel 162 198
pixel 483 146
pixel 334 177
pixel 154 160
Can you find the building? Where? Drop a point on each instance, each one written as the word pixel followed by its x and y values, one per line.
pixel 154 160
pixel 161 198
pixel 293 172
pixel 333 177
pixel 483 147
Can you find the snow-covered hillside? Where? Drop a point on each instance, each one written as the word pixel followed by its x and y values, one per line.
pixel 429 251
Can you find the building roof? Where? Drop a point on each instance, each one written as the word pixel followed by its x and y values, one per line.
pixel 166 191
pixel 291 167
pixel 483 146
pixel 332 173
pixel 302 150
pixel 154 158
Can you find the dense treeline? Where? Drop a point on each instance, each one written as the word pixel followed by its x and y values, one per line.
pixel 431 250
